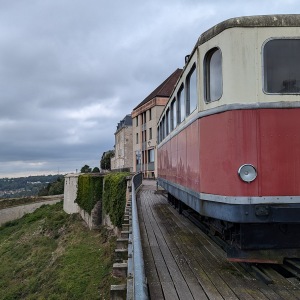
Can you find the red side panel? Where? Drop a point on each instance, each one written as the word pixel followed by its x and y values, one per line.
pixel 181 158
pixel 280 152
pixel 206 156
pixel 227 141
pixel 173 158
pixel 168 161
pixel 193 145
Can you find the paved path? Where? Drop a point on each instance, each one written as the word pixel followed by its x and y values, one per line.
pixel 182 263
pixel 17 212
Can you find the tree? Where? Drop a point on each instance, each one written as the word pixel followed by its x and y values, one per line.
pixel 86 169
pixel 96 170
pixel 105 160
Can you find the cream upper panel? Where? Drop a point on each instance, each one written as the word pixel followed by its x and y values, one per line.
pixel 242 65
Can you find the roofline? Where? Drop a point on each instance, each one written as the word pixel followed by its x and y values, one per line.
pixel 251 21
pixel 156 93
pixel 286 20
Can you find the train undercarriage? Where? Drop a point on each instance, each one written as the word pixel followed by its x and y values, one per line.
pixel 248 242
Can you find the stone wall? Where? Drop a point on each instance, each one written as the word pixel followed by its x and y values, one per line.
pixel 93 220
pixel 97 216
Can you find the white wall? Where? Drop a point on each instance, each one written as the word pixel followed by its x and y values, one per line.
pixel 70 194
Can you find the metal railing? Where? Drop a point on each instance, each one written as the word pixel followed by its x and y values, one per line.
pixel 136 283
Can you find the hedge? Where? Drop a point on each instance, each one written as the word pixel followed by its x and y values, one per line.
pixel 89 191
pixel 114 196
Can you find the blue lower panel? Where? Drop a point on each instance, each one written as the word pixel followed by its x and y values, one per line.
pixel 235 213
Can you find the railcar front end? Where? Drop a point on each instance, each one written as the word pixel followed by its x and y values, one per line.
pixel 229 137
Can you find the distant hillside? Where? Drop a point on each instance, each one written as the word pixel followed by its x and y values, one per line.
pixel 30 186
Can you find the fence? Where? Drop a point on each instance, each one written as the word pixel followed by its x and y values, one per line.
pixel 136 281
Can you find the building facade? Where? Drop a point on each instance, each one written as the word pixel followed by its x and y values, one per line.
pixel 123 145
pixel 144 126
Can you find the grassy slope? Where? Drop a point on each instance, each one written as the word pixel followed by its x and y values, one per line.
pixel 51 255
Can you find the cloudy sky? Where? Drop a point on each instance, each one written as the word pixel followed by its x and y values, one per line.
pixel 71 69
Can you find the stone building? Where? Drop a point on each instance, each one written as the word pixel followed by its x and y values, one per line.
pixel 123 145
pixel 145 117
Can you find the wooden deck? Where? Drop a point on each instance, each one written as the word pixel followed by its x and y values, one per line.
pixel 182 263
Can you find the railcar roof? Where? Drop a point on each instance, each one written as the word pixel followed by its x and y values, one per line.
pixel 251 21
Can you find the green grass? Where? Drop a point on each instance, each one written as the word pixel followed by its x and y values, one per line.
pixel 52 255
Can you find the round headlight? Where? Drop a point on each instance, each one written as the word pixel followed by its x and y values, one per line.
pixel 247 172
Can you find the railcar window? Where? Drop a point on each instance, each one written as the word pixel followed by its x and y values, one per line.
pixel 173 115
pixel 191 91
pixel 180 106
pixel 167 122
pixel 213 75
pixel 282 66
pixel 160 132
pixel 163 128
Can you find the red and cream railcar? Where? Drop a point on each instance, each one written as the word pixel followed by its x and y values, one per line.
pixel 229 137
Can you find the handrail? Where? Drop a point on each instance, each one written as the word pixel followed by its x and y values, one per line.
pixel 140 290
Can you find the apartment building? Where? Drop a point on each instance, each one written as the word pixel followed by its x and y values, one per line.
pixel 144 126
pixel 123 145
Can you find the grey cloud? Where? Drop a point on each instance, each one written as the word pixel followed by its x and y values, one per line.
pixel 71 69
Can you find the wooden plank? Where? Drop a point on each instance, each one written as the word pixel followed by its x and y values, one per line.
pixel 154 285
pixel 207 281
pixel 208 286
pixel 167 264
pixel 169 291
pixel 282 286
pixel 160 266
pixel 266 292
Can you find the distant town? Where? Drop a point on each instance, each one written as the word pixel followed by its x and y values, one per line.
pixel 29 186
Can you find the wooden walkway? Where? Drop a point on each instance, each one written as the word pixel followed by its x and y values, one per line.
pixel 182 263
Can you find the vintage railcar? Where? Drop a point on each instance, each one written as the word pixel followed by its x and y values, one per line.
pixel 229 137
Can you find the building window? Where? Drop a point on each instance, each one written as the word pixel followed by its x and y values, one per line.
pixel 137 121
pixel 150 133
pixel 191 91
pixel 281 66
pixel 144 118
pixel 150 114
pixel 151 155
pixel 213 75
pixel 137 138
